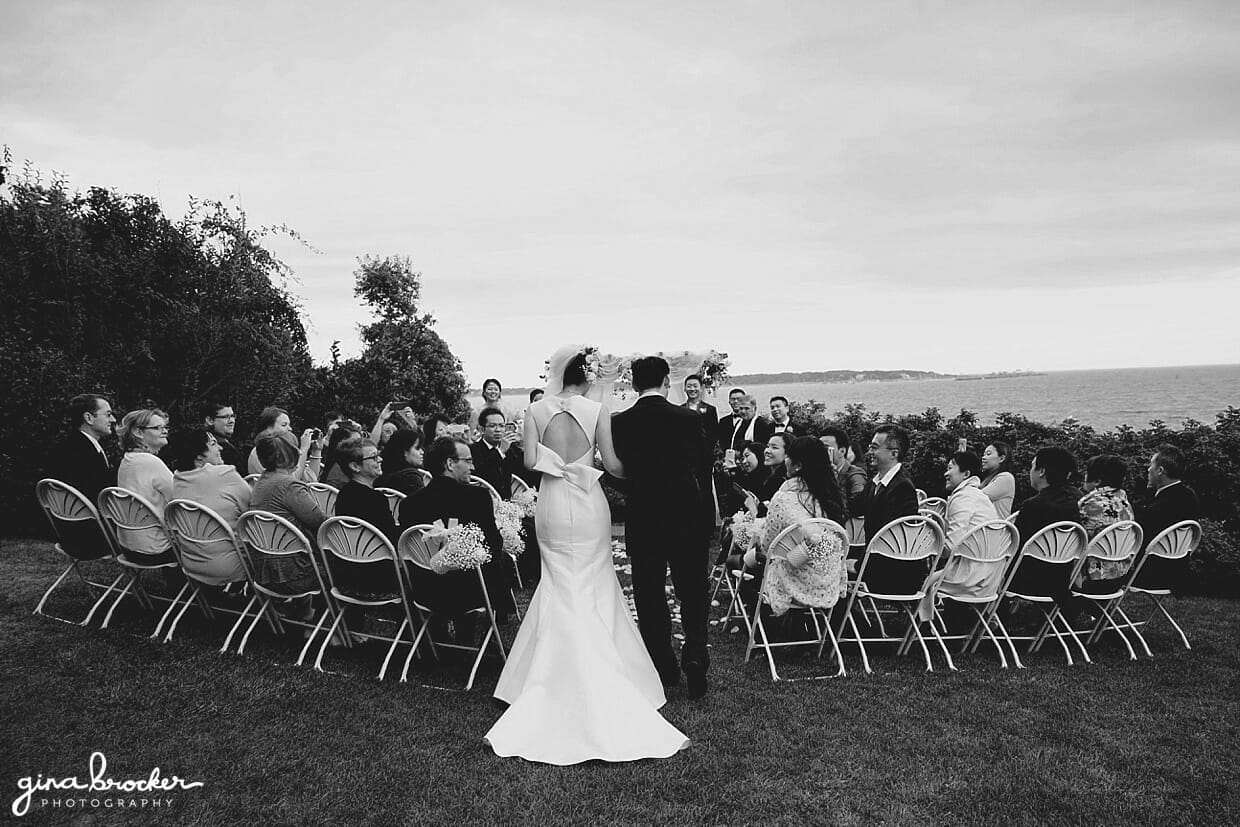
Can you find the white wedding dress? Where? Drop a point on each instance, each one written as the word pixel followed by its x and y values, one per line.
pixel 579 680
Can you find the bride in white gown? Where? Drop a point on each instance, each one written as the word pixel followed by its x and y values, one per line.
pixel 579 681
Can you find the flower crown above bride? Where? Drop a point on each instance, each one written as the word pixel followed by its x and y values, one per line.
pixel 565 356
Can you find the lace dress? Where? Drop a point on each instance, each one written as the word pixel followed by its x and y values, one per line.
pixel 820 582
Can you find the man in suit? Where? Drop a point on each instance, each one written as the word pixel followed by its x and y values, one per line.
pixel 780 423
pixel 1054 500
pixel 497 457
pixel 727 424
pixel 661 447
pixel 694 402
pixel 1173 501
pixel 449 496
pixel 219 420
pixel 79 459
pixel 748 426
pixel 892 496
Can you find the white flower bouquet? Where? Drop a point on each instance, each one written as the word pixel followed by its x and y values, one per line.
pixel 714 370
pixel 465 549
pixel 508 516
pixel 527 501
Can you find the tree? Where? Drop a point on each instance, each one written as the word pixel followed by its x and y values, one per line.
pixel 103 293
pixel 403 359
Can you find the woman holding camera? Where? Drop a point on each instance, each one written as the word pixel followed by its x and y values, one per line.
pixel 276 421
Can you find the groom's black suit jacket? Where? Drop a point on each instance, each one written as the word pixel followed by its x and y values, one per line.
pixel 662 448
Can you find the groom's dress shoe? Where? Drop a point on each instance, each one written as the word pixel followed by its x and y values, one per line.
pixel 695 679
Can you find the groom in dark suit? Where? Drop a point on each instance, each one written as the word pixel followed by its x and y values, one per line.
pixel 662 447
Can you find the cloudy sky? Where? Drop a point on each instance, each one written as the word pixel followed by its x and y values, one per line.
pixel 951 186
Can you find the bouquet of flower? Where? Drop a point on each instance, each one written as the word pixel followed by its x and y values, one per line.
pixel 508 517
pixel 815 548
pixel 714 370
pixel 465 549
pixel 743 530
pixel 527 501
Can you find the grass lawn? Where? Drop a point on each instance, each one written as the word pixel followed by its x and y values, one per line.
pixel 1153 741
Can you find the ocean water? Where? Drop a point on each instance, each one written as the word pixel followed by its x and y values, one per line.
pixel 1101 398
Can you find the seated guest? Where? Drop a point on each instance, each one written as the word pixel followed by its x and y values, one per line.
pixel 851 478
pixel 967 508
pixel 279 491
pixel 497 457
pixel 775 459
pixel 1054 500
pixel 749 476
pixel 402 463
pixel 447 497
pixel 809 491
pixel 143 434
pixel 363 464
pixel 435 426
pixel 779 416
pixel 276 421
pixel 1104 504
pixel 1172 502
pixel 201 476
pixel 219 419
pixel 999 483
pixel 79 459
pixel 332 471
pixel 892 496
pixel 536 394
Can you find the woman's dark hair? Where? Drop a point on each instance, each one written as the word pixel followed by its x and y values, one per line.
pixel 757 449
pixel 1057 462
pixel 1005 451
pixel 1106 469
pixel 331 454
pixel 277 451
pixel 494 382
pixel 397 446
pixel 787 438
pixel 429 426
pixel 814 469
pixel 267 419
pixel 186 446
pixel 575 370
pixel 536 394
pixel 968 462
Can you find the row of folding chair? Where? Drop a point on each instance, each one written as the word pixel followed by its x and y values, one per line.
pixel 121 515
pixel 994 553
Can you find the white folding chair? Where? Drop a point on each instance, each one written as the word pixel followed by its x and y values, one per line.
pixel 252 478
pixel 820 615
pixel 394 498
pixel 936 516
pixel 358 543
pixel 987 551
pixel 481 483
pixel 519 485
pixel 414 548
pixel 80 536
pixel 426 475
pixel 1011 518
pixel 921 496
pixel 936 504
pixel 325 495
pixel 912 544
pixel 263 534
pixel 1061 545
pixel 129 517
pixel 1117 543
pixel 193 525
pixel 1176 542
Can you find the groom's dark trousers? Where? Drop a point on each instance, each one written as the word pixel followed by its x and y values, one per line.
pixel 662 447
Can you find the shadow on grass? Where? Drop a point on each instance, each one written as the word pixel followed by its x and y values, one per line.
pixel 1151 741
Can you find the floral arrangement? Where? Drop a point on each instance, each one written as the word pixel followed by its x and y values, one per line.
pixel 527 501
pixel 714 370
pixel 466 548
pixel 508 516
pixel 743 525
pixel 816 548
pixel 592 362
